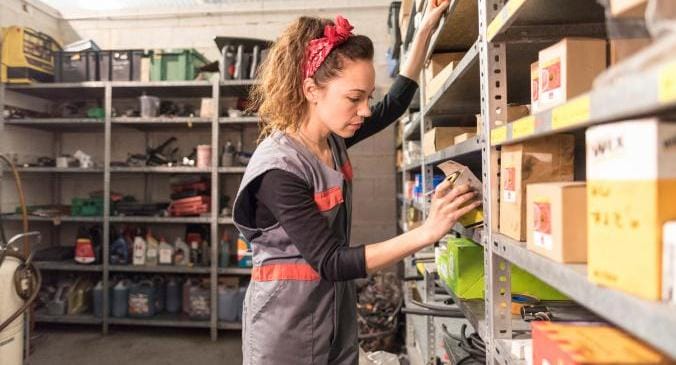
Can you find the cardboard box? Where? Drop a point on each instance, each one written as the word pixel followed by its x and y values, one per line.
pixel 631 189
pixel 568 69
pixel 465 176
pixel 534 86
pixel 628 8
pixel 461 265
pixel 621 49
pixel 438 138
pixel 404 16
pixel 588 344
pixel 463 137
pixel 479 125
pixel 669 262
pixel 542 160
pixel 438 70
pixel 556 216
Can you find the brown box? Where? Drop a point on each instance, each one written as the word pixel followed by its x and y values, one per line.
pixel 568 69
pixel 628 8
pixel 405 16
pixel 542 160
pixel 556 217
pixel 621 49
pixel 534 86
pixel 438 138
pixel 463 137
pixel 438 70
pixel 479 125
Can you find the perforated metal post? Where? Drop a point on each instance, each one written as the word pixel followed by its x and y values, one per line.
pixel 493 79
pixel 215 95
pixel 108 95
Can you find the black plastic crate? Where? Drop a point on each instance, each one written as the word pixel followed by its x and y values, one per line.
pixel 120 65
pixel 75 66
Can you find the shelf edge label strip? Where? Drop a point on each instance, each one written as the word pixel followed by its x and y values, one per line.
pixel 573 112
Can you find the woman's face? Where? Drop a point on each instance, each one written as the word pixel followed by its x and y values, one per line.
pixel 343 103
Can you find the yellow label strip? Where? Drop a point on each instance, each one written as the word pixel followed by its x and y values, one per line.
pixel 571 113
pixel 523 127
pixel 502 17
pixel 666 91
pixel 498 135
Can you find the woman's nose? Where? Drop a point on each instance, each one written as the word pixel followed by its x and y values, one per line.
pixel 364 110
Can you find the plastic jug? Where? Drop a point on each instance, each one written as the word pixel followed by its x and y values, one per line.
pixel 174 298
pixel 224 250
pixel 139 249
pixel 228 303
pixel 142 299
pixel 79 296
pixel 120 299
pixel 119 251
pixel 160 293
pixel 185 295
pixel 181 252
pixel 166 256
pixel 97 294
pixel 152 249
pixel 199 302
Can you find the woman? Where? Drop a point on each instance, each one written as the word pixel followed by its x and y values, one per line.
pixel 294 202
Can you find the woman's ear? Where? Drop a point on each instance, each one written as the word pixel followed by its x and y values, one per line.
pixel 310 90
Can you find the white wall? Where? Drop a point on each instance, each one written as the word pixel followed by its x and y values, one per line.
pixel 373 160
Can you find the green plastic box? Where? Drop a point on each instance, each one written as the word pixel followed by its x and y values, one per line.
pixel 176 64
pixel 461 265
pixel 92 207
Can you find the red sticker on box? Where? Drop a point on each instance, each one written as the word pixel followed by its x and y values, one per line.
pixel 551 76
pixel 509 183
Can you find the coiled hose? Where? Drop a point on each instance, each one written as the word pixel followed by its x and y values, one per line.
pixel 27 278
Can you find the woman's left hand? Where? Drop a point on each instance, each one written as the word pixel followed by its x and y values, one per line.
pixel 433 13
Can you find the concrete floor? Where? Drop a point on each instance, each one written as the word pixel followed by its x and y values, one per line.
pixel 132 345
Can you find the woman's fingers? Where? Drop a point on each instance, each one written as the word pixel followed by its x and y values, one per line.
pixel 443 189
pixel 456 192
pixel 466 209
pixel 462 199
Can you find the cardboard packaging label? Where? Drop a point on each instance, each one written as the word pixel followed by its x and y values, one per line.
pixel 631 176
pixel 542 232
pixel 551 80
pixel 534 85
pixel 509 185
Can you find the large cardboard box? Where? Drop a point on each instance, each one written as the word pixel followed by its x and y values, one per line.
pixel 438 70
pixel 438 138
pixel 463 137
pixel 628 8
pixel 589 344
pixel 631 190
pixel 460 264
pixel 568 69
pixel 621 49
pixel 556 216
pixel 542 160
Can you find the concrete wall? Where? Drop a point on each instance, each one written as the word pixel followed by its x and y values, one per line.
pixel 373 160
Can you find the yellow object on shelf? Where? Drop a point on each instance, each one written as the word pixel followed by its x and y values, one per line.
pixel 27 56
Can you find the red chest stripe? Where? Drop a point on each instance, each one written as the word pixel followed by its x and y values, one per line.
pixel 347 170
pixel 328 199
pixel 300 272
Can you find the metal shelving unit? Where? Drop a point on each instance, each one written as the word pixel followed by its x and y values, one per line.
pixel 105 93
pixel 501 39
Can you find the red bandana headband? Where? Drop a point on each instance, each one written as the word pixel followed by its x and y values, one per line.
pixel 318 49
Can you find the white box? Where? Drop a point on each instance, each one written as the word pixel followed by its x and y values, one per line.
pixel 669 262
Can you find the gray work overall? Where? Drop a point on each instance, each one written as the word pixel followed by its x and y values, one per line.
pixel 291 315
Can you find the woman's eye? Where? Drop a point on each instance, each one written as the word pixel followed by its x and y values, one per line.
pixel 354 100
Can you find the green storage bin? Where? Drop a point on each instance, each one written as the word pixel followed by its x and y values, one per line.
pixel 176 65
pixel 461 265
pixel 92 207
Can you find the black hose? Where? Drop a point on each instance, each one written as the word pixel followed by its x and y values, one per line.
pixel 434 307
pixel 22 204
pixel 433 313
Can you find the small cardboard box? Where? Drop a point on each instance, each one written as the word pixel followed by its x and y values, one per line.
pixel 588 344
pixel 631 189
pixel 438 138
pixel 465 176
pixel 621 49
pixel 438 70
pixel 534 86
pixel 568 68
pixel 628 8
pixel 556 216
pixel 460 264
pixel 542 160
pixel 463 137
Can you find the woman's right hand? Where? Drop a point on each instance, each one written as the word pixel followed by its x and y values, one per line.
pixel 448 205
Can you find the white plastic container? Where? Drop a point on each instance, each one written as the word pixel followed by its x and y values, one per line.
pixel 203 156
pixel 150 106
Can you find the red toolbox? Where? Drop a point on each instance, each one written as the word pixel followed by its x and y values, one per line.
pixel 190 206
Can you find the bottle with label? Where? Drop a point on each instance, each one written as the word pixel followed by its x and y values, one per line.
pixel 84 248
pixel 206 257
pixel 139 249
pixel 195 252
pixel 181 252
pixel 244 253
pixel 166 252
pixel 224 250
pixel 152 249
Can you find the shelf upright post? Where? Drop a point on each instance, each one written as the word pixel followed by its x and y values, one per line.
pixel 215 94
pixel 2 132
pixel 108 95
pixel 493 83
